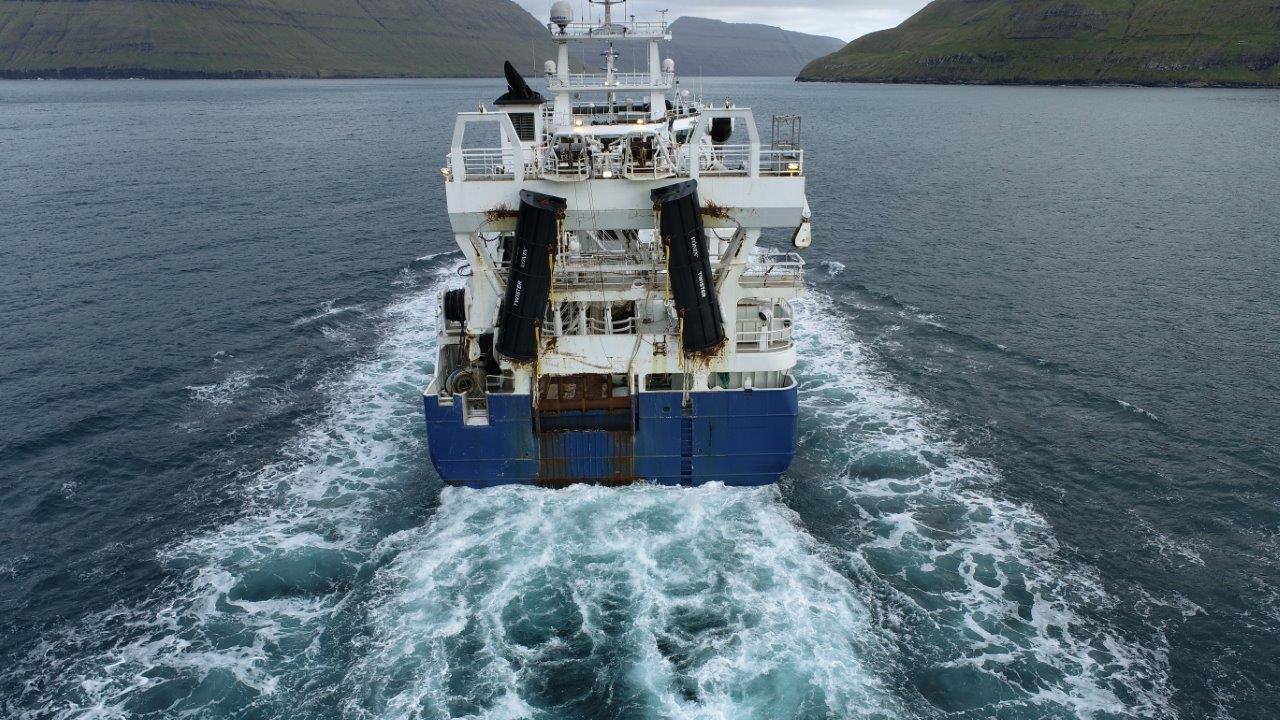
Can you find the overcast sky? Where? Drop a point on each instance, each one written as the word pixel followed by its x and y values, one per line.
pixel 845 19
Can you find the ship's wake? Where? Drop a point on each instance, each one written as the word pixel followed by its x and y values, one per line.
pixel 989 615
pixel 251 610
pixel 641 602
pixel 886 578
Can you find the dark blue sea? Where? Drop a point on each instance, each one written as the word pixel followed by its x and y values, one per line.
pixel 1038 473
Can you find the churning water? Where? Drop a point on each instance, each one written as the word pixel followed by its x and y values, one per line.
pixel 1036 474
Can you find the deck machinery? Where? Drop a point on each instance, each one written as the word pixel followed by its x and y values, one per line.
pixel 619 322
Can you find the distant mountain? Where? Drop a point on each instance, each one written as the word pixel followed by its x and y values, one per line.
pixel 268 38
pixel 1148 42
pixel 715 48
pixel 711 47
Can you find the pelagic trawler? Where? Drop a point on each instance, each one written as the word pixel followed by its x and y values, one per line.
pixel 619 323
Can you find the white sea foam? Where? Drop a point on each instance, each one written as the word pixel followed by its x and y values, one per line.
pixel 987 595
pixel 254 594
pixel 226 390
pixel 10 568
pixel 1135 409
pixel 704 603
pixel 432 256
pixel 1168 548
pixel 328 309
pixel 674 603
pixel 1148 605
pixel 833 267
pixel 701 603
pixel 339 334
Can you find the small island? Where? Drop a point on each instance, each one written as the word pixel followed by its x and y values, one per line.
pixel 1224 43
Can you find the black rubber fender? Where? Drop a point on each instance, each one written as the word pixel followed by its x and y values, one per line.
pixel 529 280
pixel 689 266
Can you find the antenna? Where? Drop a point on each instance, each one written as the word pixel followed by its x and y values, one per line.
pixel 610 55
pixel 608 8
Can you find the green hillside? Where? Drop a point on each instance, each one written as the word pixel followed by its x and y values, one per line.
pixel 715 48
pixel 267 38
pixel 1147 42
pixel 711 47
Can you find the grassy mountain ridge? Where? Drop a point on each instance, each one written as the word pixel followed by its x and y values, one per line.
pixel 701 46
pixel 1147 42
pixel 267 38
pixel 713 47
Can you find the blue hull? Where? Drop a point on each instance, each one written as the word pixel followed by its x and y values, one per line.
pixel 734 437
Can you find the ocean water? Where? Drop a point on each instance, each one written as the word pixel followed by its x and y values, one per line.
pixel 1037 474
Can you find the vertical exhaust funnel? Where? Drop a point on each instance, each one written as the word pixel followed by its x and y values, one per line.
pixel 689 266
pixel 529 280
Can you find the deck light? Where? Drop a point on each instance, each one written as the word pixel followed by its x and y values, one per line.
pixel 606 174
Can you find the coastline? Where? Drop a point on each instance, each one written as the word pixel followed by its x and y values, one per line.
pixel 141 74
pixel 153 74
pixel 1024 82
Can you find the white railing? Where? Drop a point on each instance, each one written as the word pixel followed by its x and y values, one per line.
pixel 562 162
pixel 588 81
pixel 646 157
pixel 609 326
pixel 642 28
pixel 500 384
pixel 613 280
pixel 752 337
pixel 557 161
pixel 724 160
pixel 486 163
pixel 781 161
pixel 620 116
pixel 774 270
pixel 578 324
pixel 736 160
pixel 492 164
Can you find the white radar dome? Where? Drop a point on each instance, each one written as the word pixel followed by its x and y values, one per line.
pixel 668 65
pixel 550 67
pixel 562 13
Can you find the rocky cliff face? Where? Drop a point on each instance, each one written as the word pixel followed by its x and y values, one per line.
pixel 1148 42
pixel 267 38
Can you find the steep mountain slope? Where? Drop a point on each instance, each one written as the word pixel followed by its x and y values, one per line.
pixel 1150 42
pixel 712 47
pixel 267 38
pixel 715 48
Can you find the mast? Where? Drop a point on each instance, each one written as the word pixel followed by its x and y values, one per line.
pixel 655 82
pixel 608 9
pixel 610 55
